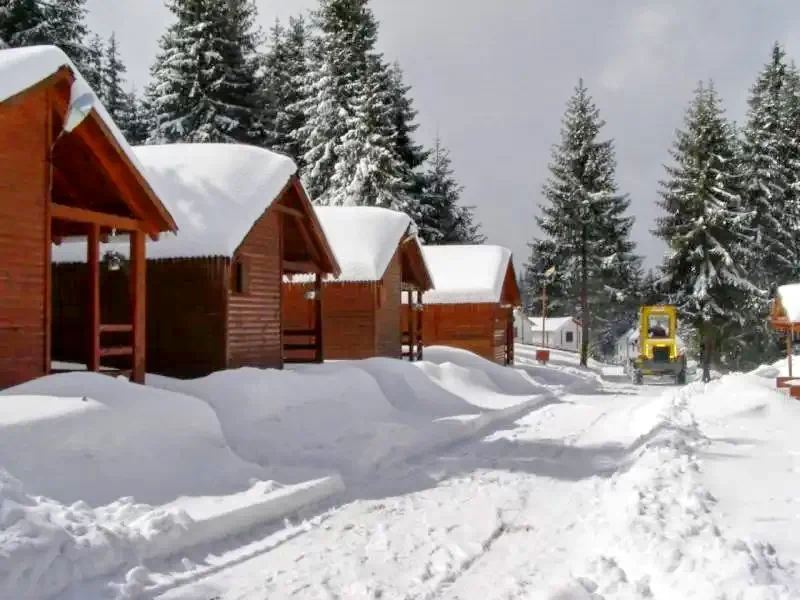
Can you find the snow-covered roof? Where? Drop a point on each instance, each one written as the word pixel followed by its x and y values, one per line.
pixel 551 323
pixel 363 238
pixel 22 68
pixel 465 274
pixel 215 192
pixel 789 296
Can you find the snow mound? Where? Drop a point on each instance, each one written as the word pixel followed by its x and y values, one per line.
pixel 656 531
pixel 475 378
pixel 347 416
pixel 96 439
pixel 48 546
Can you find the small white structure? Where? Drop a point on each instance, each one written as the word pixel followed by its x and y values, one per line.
pixel 561 333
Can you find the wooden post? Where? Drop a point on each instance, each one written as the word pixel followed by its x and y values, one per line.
pixel 510 335
pixel 789 340
pixel 93 272
pixel 412 328
pixel 318 353
pixel 138 300
pixel 420 320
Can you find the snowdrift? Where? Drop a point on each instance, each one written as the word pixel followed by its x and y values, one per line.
pixel 352 416
pixel 657 530
pixel 96 439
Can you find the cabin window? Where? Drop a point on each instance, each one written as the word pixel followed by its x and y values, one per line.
pixel 569 337
pixel 240 276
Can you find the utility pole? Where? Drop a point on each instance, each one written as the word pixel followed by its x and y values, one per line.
pixel 547 275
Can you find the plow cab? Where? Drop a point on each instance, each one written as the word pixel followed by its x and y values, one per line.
pixel 659 354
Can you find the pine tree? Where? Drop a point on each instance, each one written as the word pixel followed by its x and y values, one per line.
pixel 766 155
pixel 403 117
pixel 587 234
pixel 705 227
pixel 114 97
pixel 94 68
pixel 442 220
pixel 60 23
pixel 135 120
pixel 204 85
pixel 369 171
pixel 23 23
pixel 346 34
pixel 286 71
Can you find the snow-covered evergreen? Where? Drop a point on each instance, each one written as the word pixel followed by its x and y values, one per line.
pixel 283 82
pixel 706 228
pixel 61 23
pixel 349 137
pixel 584 223
pixel 442 218
pixel 768 151
pixel 204 85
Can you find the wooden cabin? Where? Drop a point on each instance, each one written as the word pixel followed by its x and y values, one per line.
pixel 785 318
pixel 361 311
pixel 215 295
pixel 472 305
pixel 66 171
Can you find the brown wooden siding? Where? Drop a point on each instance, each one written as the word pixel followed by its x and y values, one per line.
pixel 24 140
pixel 348 318
pixel 479 328
pixel 254 317
pixel 388 335
pixel 185 314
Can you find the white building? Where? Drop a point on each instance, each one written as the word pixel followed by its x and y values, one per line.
pixel 562 333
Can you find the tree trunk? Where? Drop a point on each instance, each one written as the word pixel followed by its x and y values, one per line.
pixel 706 354
pixel 584 304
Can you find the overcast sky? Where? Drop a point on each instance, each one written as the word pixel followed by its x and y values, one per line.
pixel 493 77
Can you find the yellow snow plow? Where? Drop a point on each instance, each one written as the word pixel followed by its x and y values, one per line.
pixel 659 354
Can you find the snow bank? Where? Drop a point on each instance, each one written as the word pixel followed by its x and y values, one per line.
pixel 215 193
pixel 96 439
pixel 349 416
pixel 656 531
pixel 464 274
pixel 48 546
pixel 476 379
pixel 364 239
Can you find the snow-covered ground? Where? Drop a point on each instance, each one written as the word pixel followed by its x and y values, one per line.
pixel 451 478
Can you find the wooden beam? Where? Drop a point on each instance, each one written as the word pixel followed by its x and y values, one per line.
pixel 299 266
pixel 420 322
pixel 93 272
pixel 138 299
pixel 115 167
pixel 312 248
pixel 288 210
pixel 318 357
pixel 81 215
pixel 412 326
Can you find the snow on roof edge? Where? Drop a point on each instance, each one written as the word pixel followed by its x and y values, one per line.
pixel 466 273
pixel 789 296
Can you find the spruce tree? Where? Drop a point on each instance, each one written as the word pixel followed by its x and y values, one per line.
pixel 114 96
pixel 135 121
pixel 94 68
pixel 706 227
pixel 285 75
pixel 442 219
pixel 59 23
pixel 584 223
pixel 23 23
pixel 369 171
pixel 767 170
pixel 346 33
pixel 204 85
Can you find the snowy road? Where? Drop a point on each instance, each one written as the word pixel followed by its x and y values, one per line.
pixel 495 518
